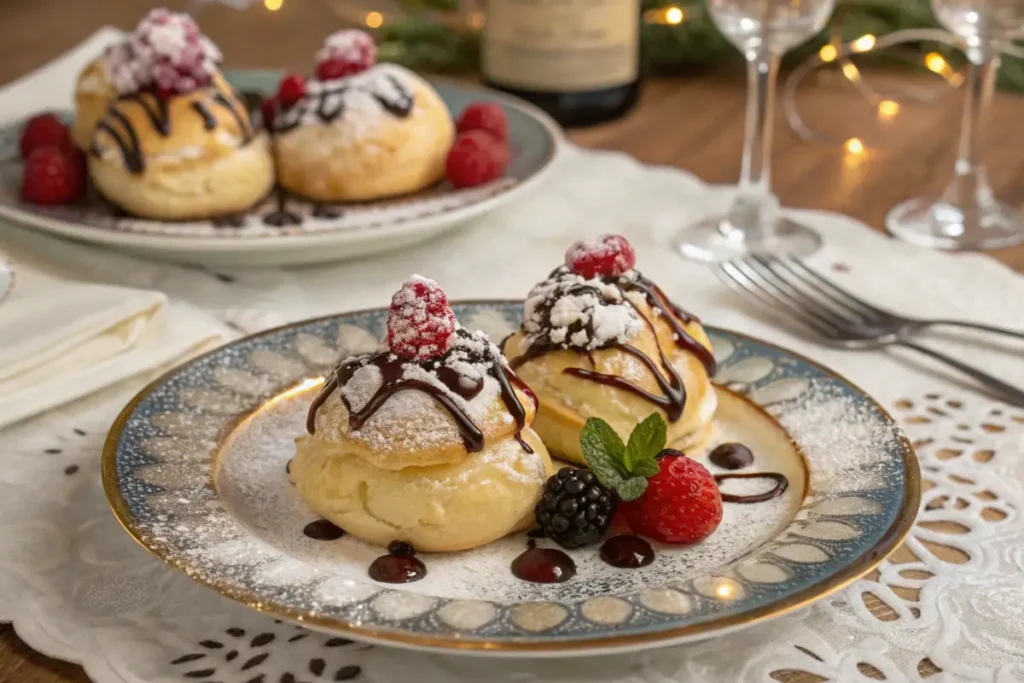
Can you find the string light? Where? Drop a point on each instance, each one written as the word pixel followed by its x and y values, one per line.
pixel 374 19
pixel 854 146
pixel 936 63
pixel 828 53
pixel 273 5
pixel 863 44
pixel 851 71
pixel 888 109
pixel 674 15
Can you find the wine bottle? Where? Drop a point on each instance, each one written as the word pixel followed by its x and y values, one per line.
pixel 579 60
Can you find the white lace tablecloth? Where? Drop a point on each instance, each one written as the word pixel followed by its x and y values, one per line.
pixel 76 587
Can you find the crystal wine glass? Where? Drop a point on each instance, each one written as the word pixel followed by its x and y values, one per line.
pixel 968 215
pixel 763 30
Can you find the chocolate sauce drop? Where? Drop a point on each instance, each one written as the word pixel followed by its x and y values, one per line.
pixel 543 565
pixel 281 217
pixel 323 530
pixel 731 456
pixel 781 484
pixel 628 552
pixel 321 211
pixel 231 221
pixel 400 565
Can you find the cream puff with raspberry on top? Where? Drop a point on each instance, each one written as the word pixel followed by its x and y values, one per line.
pixel 358 130
pixel 599 339
pixel 427 441
pixel 174 141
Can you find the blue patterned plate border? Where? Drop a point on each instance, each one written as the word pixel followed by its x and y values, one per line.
pixel 159 455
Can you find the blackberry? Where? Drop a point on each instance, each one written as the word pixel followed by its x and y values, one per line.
pixel 575 509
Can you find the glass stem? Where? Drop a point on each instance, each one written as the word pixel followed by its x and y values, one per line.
pixel 754 210
pixel 970 184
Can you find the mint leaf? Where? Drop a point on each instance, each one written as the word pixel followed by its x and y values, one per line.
pixel 646 441
pixel 603 451
pixel 646 468
pixel 632 488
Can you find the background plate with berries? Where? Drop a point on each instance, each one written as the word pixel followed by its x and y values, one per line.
pixel 320 232
pixel 195 469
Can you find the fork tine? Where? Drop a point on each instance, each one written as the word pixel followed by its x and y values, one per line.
pixel 798 289
pixel 794 297
pixel 741 283
pixel 839 295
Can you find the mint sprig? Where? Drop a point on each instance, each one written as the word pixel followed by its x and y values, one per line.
pixel 624 468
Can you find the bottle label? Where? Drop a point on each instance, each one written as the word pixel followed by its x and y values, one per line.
pixel 562 45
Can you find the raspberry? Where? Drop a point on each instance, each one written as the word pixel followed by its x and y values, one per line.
pixel 575 509
pixel 268 110
pixel 606 255
pixel 41 131
pixel 53 176
pixel 486 116
pixel 682 503
pixel 477 157
pixel 345 53
pixel 421 324
pixel 291 89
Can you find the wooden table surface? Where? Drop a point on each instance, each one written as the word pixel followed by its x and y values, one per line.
pixel 693 123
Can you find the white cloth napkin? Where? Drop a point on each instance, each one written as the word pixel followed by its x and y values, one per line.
pixel 63 339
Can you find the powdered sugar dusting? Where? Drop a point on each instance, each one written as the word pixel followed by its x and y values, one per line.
pixel 842 437
pixel 354 105
pixel 166 50
pixel 349 45
pixel 568 310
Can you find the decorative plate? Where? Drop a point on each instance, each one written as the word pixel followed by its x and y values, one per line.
pixel 194 468
pixel 326 232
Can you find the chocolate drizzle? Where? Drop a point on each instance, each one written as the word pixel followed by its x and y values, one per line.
pixel 781 484
pixel 124 135
pixel 209 121
pixel 672 398
pixel 157 113
pixel 325 102
pixel 392 370
pixel 240 117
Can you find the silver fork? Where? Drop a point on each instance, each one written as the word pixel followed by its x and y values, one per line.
pixel 843 319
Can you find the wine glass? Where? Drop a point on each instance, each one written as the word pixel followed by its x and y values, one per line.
pixel 968 215
pixel 763 30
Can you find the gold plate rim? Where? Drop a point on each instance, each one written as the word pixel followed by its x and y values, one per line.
pixel 866 562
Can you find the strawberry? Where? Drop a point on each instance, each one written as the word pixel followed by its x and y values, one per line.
pixel 53 175
pixel 43 130
pixel 486 116
pixel 682 503
pixel 603 256
pixel 477 157
pixel 421 324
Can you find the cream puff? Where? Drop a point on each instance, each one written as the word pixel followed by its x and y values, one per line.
pixel 175 141
pixel 358 131
pixel 427 441
pixel 600 340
